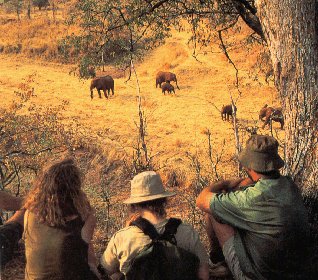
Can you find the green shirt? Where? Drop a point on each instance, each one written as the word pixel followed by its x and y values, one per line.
pixel 271 227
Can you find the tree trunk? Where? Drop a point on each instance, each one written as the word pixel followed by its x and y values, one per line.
pixel 291 31
pixel 29 10
pixel 290 28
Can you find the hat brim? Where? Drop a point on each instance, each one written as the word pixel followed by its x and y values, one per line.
pixel 261 162
pixel 140 199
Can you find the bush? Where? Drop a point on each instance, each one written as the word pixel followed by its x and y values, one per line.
pixel 13 48
pixel 41 3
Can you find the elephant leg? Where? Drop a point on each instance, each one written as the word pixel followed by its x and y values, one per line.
pixel 267 120
pixel 91 94
pixel 112 90
pixel 177 84
pixel 100 95
pixel 105 93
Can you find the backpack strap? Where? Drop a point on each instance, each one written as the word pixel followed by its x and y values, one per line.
pixel 146 227
pixel 170 230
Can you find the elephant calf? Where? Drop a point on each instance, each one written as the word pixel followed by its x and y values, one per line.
pixel 102 83
pixel 167 87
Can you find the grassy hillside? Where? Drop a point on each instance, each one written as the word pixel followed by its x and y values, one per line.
pixel 177 125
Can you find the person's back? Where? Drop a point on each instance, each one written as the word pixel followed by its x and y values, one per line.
pixel 55 252
pixel 58 227
pixel 263 227
pixel 130 240
pixel 274 235
pixel 147 201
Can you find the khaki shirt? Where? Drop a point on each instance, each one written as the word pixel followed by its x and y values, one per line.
pixel 126 244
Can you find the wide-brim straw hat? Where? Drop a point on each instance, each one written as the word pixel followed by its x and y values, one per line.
pixel 147 186
pixel 261 154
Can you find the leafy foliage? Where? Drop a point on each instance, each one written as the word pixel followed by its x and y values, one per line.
pixel 28 136
pixel 118 31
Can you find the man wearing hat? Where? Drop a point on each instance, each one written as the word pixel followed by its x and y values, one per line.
pixel 148 200
pixel 260 222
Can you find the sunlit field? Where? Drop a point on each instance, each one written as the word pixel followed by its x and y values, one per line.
pixel 177 125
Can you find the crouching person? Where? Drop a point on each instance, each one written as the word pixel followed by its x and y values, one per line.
pixel 152 246
pixel 262 228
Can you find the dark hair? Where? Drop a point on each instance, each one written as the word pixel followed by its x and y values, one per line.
pixel 273 174
pixel 156 206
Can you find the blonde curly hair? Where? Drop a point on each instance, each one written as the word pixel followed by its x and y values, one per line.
pixel 57 195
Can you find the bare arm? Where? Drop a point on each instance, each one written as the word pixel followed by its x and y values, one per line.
pixel 204 198
pixel 10 202
pixel 203 272
pixel 87 236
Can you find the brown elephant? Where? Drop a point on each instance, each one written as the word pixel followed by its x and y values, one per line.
pixel 273 114
pixel 165 77
pixel 227 111
pixel 167 87
pixel 262 112
pixel 102 83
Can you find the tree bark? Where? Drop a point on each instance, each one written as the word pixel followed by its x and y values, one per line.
pixel 291 30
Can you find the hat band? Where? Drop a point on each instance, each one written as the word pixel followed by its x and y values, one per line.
pixel 148 194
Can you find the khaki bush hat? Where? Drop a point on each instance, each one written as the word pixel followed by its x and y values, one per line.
pixel 261 154
pixel 147 186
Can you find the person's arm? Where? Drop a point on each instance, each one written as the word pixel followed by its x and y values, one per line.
pixel 87 236
pixel 109 260
pixel 9 202
pixel 203 273
pixel 204 199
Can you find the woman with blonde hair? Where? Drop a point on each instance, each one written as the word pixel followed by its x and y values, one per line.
pixel 58 226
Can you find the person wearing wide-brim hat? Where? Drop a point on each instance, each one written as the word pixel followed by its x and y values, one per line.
pixel 147 200
pixel 260 222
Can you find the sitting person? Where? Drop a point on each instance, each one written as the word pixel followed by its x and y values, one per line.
pixel 263 228
pixel 148 200
pixel 58 227
pixel 11 231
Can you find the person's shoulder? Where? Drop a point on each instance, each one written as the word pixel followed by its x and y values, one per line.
pixel 184 227
pixel 127 232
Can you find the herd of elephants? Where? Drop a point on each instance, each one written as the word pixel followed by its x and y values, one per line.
pixel 164 79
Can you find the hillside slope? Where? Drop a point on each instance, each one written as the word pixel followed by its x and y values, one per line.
pixel 176 123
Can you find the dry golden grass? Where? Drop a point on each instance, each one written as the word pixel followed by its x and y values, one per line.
pixel 176 124
pixel 37 37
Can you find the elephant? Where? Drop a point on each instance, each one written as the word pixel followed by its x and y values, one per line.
pixel 227 111
pixel 167 87
pixel 273 114
pixel 102 83
pixel 165 77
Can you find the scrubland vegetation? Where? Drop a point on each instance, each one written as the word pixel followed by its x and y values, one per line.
pixel 46 113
